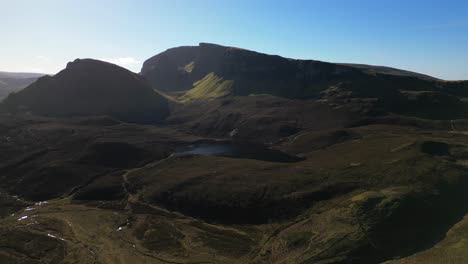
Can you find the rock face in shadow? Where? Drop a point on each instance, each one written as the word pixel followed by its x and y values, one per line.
pixel 178 69
pixel 165 70
pixel 212 71
pixel 89 88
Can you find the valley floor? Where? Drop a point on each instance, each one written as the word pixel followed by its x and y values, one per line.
pixel 376 192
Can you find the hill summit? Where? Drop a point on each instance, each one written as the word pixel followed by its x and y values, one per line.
pixel 89 87
pixel 211 70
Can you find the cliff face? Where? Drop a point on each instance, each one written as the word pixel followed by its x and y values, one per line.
pixel 166 72
pixel 90 87
pixel 178 69
pixel 212 71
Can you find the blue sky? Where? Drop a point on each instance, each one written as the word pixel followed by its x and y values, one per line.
pixel 425 36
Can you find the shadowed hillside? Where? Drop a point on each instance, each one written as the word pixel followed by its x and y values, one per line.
pixel 90 87
pixel 211 71
pixel 208 67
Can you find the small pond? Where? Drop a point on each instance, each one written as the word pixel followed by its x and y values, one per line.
pixel 240 151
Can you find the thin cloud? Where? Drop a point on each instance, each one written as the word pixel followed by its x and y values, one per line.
pixel 124 61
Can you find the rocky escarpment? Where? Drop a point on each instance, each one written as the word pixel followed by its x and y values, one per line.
pixel 212 71
pixel 251 72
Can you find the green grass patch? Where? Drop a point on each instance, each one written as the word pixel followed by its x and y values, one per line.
pixel 211 86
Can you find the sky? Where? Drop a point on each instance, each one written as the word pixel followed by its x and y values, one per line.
pixel 428 36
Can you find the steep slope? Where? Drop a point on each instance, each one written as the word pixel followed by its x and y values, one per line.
pixel 166 71
pixel 211 71
pixel 251 72
pixel 176 69
pixel 209 68
pixel 90 87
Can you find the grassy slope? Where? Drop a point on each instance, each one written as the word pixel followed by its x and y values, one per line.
pixel 211 86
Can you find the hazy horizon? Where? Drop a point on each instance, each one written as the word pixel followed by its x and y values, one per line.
pixel 421 36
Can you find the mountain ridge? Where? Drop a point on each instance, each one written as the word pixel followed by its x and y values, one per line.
pixel 371 67
pixel 180 69
pixel 91 87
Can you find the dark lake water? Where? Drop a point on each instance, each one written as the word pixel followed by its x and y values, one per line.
pixel 244 151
